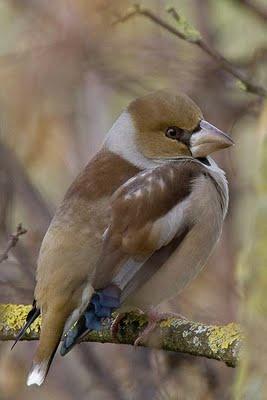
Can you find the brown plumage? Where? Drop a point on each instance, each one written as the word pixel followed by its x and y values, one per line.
pixel 162 112
pixel 136 217
pixel 72 245
pixel 199 230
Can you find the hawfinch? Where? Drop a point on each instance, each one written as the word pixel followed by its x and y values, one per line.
pixel 135 226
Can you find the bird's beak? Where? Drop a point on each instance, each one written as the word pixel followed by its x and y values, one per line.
pixel 208 139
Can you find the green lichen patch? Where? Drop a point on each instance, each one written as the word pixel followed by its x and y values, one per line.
pixel 217 342
pixel 13 317
pixel 131 325
pixel 167 323
pixel 222 337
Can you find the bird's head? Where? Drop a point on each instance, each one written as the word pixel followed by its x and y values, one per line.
pixel 170 125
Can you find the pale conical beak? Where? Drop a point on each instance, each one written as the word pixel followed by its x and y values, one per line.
pixel 208 139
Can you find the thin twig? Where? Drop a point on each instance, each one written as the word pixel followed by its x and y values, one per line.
pixel 13 240
pixel 196 39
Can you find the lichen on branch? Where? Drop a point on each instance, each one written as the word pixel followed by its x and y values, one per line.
pixel 180 335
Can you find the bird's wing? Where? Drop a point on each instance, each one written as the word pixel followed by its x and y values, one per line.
pixel 171 268
pixel 147 213
pixel 164 224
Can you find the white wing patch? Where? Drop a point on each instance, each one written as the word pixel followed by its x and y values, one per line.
pixel 169 226
pixel 127 272
pixel 137 192
pixel 161 183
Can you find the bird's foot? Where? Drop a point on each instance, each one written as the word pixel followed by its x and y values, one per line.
pixel 154 317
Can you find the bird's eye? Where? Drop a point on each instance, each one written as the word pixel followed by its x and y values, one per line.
pixel 173 132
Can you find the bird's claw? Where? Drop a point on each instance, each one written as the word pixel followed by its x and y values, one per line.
pixel 143 335
pixel 154 317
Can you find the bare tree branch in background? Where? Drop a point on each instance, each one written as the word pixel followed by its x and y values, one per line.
pixel 255 7
pixel 187 33
pixel 13 240
pixel 217 342
pixel 31 200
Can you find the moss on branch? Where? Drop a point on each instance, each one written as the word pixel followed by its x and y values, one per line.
pixel 217 342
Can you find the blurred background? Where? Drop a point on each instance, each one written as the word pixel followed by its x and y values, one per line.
pixel 66 73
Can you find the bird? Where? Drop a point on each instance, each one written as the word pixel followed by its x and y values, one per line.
pixel 135 226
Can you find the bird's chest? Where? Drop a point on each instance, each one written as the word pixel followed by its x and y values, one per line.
pixel 74 239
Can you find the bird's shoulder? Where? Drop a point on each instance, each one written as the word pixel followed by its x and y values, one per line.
pixel 101 177
pixel 153 192
pixel 152 207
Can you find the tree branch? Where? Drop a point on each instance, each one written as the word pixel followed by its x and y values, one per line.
pixel 179 335
pixel 13 240
pixel 258 9
pixel 186 32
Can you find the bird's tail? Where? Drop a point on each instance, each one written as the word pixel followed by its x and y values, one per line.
pixel 40 369
pixel 51 332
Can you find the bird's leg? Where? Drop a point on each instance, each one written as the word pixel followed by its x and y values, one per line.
pixel 154 317
pixel 102 304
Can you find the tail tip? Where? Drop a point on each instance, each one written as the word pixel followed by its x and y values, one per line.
pixel 37 374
